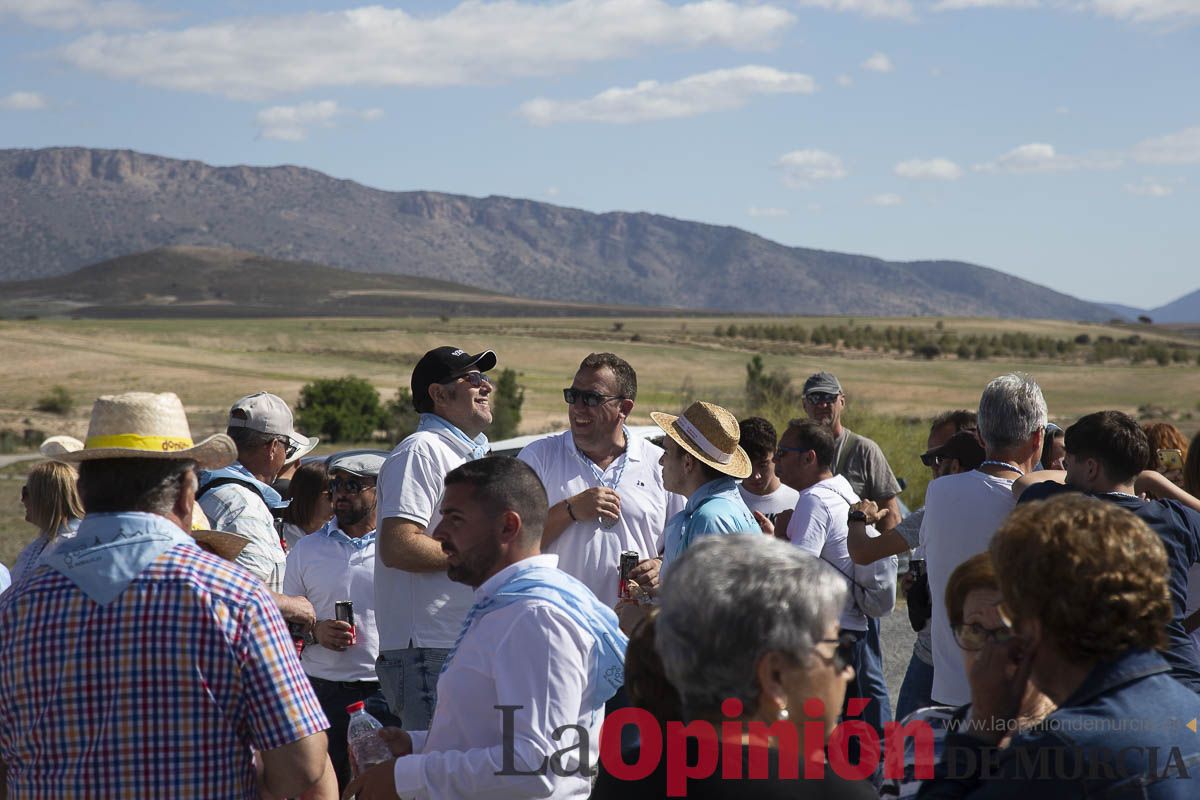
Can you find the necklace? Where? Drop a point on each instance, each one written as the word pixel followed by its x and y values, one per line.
pixel 618 468
pixel 1004 464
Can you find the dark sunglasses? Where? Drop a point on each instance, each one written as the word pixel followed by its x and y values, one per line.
pixel 590 399
pixel 475 378
pixel 821 398
pixel 932 459
pixel 843 654
pixel 348 486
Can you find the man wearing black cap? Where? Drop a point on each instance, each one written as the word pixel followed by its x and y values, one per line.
pixel 425 609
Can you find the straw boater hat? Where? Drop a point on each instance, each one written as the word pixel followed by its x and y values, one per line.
pixel 141 425
pixel 221 543
pixel 710 434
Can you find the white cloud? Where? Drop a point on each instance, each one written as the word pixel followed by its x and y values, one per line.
pixel 938 169
pixel 1148 187
pixel 552 191
pixel 801 168
pixel 473 43
pixel 720 90
pixel 895 9
pixel 1041 157
pixel 64 14
pixel 23 101
pixel 845 80
pixel 959 5
pixel 767 213
pixel 885 200
pixel 1182 147
pixel 291 123
pixel 878 63
pixel 1145 10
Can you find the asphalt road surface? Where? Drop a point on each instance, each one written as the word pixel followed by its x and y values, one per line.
pixel 897 637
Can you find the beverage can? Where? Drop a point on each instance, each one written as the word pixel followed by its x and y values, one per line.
pixel 343 611
pixel 629 560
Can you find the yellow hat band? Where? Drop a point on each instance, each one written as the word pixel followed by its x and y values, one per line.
pixel 134 441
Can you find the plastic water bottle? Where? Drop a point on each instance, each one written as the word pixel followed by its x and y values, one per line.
pixel 367 747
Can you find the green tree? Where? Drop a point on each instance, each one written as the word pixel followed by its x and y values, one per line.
pixel 58 401
pixel 763 390
pixel 400 417
pixel 507 400
pixel 340 409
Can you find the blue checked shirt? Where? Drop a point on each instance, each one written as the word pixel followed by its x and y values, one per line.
pixel 161 693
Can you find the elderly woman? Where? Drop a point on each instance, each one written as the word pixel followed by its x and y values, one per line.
pixel 748 636
pixel 52 505
pixel 1083 585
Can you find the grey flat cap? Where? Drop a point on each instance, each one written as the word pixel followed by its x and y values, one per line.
pixel 363 463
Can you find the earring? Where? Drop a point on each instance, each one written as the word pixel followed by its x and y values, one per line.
pixel 783 714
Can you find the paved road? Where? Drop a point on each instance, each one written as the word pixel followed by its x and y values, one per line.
pixel 897 637
pixel 6 460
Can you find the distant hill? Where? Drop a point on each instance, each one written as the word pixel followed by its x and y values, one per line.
pixel 1185 309
pixel 65 208
pixel 214 282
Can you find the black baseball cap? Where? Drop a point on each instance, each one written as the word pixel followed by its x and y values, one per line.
pixel 440 365
pixel 963 446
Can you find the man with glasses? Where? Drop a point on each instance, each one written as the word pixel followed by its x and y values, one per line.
pixel 336 563
pixel 240 499
pixel 425 609
pixel 605 486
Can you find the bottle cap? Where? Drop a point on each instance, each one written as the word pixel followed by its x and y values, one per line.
pixel 355 707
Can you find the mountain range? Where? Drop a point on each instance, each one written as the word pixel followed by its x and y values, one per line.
pixel 1185 309
pixel 66 208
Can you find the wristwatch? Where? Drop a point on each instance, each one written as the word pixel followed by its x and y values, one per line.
pixel 856 515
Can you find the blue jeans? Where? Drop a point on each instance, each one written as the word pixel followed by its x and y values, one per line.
pixel 868 683
pixel 917 689
pixel 409 679
pixel 334 696
pixel 875 681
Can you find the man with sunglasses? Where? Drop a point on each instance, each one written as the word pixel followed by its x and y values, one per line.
pixel 337 562
pixel 425 609
pixel 240 499
pixel 605 486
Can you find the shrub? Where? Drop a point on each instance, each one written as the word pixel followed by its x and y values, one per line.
pixel 340 409
pixel 507 400
pixel 400 418
pixel 58 401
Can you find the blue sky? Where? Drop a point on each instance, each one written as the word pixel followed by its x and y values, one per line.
pixel 1057 140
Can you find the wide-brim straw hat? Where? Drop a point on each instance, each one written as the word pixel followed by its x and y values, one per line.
pixel 221 543
pixel 709 434
pixel 141 425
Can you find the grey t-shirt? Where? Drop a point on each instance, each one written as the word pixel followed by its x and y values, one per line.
pixel 866 468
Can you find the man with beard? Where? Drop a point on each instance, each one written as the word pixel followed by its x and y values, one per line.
pixel 522 692
pixel 336 563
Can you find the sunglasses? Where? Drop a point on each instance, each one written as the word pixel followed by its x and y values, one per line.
pixel 779 451
pixel 843 654
pixel 821 398
pixel 590 399
pixel 475 378
pixel 974 636
pixel 932 459
pixel 349 486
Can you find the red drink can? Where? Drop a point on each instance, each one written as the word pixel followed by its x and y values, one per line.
pixel 629 560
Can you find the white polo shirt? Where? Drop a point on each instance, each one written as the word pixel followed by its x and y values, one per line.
pixel 819 526
pixel 327 566
pixel 419 609
pixel 586 550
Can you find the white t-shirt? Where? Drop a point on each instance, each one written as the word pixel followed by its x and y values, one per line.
pixel 326 567
pixel 961 514
pixel 418 609
pixel 530 655
pixel 819 527
pixel 769 505
pixel 586 550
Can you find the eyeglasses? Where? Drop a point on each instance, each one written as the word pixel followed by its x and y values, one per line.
pixel 932 459
pixel 974 636
pixel 475 378
pixel 779 451
pixel 843 654
pixel 589 398
pixel 289 449
pixel 348 486
pixel 821 398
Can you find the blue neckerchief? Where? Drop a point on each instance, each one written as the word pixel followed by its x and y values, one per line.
pixel 235 470
pixel 110 550
pixel 619 464
pixel 332 530
pixel 576 601
pixel 432 422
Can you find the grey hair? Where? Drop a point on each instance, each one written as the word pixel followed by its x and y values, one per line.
pixel 150 485
pixel 728 601
pixel 1011 410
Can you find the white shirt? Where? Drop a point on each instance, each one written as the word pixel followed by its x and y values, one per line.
pixel 424 609
pixel 529 654
pixel 586 550
pixel 237 509
pixel 819 527
pixel 961 514
pixel 782 499
pixel 326 567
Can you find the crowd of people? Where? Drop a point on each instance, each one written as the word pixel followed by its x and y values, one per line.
pixel 604 615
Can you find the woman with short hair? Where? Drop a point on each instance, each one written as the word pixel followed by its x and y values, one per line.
pixel 52 505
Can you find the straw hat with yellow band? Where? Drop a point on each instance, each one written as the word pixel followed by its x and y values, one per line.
pixel 709 434
pixel 141 425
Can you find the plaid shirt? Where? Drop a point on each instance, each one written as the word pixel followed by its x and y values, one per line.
pixel 162 693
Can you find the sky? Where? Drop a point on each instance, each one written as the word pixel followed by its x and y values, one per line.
pixel 1056 140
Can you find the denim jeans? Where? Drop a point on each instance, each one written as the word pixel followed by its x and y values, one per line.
pixel 334 696
pixel 868 683
pixel 409 679
pixel 917 689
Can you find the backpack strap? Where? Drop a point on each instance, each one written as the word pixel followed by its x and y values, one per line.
pixel 276 513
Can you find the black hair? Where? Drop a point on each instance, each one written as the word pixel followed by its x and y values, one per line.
pixel 504 483
pixel 758 438
pixel 812 435
pixel 1112 438
pixel 625 375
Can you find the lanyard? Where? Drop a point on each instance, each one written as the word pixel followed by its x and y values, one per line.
pixel 1005 464
pixel 598 473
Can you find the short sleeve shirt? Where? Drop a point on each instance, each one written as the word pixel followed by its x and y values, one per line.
pixel 587 550
pixel 424 609
pixel 867 469
pixel 819 527
pixel 771 505
pixel 237 509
